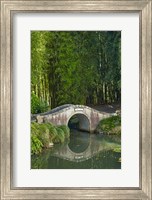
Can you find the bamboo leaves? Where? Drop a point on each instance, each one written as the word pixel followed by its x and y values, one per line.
pixel 79 67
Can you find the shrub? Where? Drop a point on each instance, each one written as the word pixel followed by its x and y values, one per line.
pixel 34 127
pixel 44 134
pixel 37 105
pixel 117 149
pixel 36 144
pixel 66 130
pixel 41 132
pixel 111 125
pixel 60 136
pixel 52 132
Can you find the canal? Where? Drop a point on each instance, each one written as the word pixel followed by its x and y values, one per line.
pixel 82 151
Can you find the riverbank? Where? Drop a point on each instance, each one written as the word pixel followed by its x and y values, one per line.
pixel 46 135
pixel 110 126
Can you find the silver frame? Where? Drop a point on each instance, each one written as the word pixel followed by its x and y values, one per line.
pixel 8 8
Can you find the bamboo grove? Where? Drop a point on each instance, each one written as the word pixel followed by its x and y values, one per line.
pixel 78 67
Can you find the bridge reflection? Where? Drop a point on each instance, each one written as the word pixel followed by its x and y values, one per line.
pixel 79 141
pixel 83 146
pixel 83 151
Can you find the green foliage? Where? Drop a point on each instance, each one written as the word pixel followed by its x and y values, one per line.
pixel 117 149
pixel 44 134
pixel 66 130
pixel 52 132
pixel 60 136
pixel 84 63
pixel 37 106
pixel 36 144
pixel 111 125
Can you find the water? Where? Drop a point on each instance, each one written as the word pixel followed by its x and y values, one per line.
pixel 82 151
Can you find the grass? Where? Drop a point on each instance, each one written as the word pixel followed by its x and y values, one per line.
pixel 110 126
pixel 44 134
pixel 117 149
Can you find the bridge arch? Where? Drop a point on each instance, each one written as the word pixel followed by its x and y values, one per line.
pixel 62 114
pixel 84 122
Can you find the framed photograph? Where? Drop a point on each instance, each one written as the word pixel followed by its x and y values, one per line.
pixel 76 99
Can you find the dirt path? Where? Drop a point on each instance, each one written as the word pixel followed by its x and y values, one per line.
pixel 110 108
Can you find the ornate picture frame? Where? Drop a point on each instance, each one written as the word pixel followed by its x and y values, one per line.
pixel 8 8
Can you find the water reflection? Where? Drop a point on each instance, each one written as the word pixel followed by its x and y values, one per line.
pixel 79 141
pixel 83 146
pixel 83 151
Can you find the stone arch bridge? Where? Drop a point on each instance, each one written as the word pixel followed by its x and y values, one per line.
pixel 88 117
